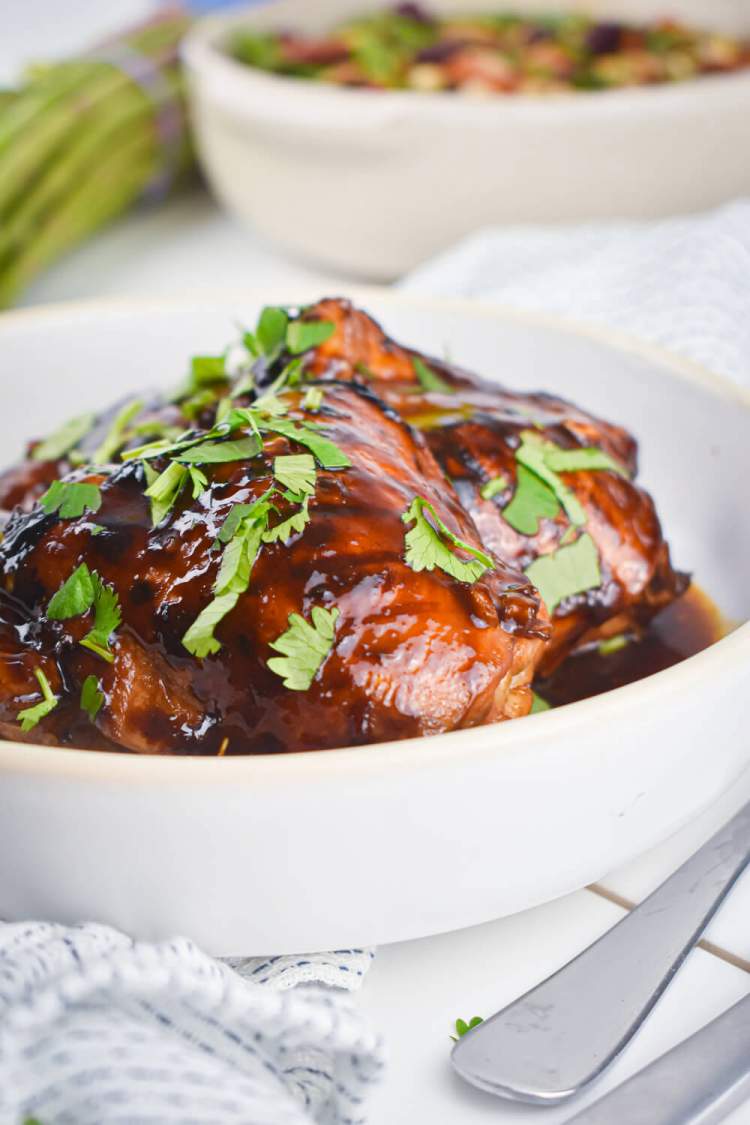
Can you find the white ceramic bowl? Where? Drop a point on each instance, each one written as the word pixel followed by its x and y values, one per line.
pixel 375 844
pixel 372 182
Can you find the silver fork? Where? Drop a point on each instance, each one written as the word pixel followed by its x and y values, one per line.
pixel 551 1043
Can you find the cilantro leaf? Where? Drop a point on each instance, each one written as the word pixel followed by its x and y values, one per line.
pixel 538 704
pixel 565 572
pixel 218 452
pixel 30 716
pixel 207 369
pixel 271 330
pixel 117 434
pixel 296 471
pixel 585 459
pixel 426 547
pixel 532 501
pixel 301 335
pixel 242 534
pixel 293 525
pixel 326 453
pixel 462 1027
pixel 75 596
pixel 107 617
pixel 164 489
pixel 63 440
pixel 304 648
pixel 313 399
pixel 493 487
pixel 429 380
pixel 70 499
pixel 532 454
pixel 610 645
pixel 198 480
pixel 92 697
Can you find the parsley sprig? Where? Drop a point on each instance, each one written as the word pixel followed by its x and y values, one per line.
pixel 430 544
pixel 62 441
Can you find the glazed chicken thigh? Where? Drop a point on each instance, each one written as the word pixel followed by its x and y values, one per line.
pixel 537 475
pixel 299 576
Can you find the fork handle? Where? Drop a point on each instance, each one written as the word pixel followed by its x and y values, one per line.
pixel 553 1041
pixel 698 1082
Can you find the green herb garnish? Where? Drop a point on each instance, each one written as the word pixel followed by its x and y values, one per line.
pixel 271 331
pixel 493 487
pixel 566 571
pixel 92 697
pixel 296 471
pixel 117 433
pixel 242 534
pixel 609 645
pixel 164 488
pixel 107 617
pixel 313 399
pixel 426 545
pixel 538 704
pixel 532 454
pixel 75 596
pixel 293 525
pixel 429 380
pixel 301 335
pixel 304 647
pixel 70 499
pixel 586 459
pixel 63 440
pixel 532 501
pixel 207 369
pixel 462 1027
pixel 30 716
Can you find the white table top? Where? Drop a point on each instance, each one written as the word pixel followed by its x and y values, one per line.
pixel 416 989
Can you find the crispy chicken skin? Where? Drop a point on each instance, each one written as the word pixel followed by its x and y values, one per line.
pixel 474 428
pixel 414 652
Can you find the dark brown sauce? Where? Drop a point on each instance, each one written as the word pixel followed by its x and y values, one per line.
pixel 686 627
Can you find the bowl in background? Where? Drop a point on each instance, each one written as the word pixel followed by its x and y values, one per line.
pixel 372 182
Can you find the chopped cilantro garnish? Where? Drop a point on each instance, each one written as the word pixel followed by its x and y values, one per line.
pixel 532 501
pixel 207 369
pixel 271 330
pixel 117 434
pixel 566 571
pixel 107 617
pixel 304 647
pixel 296 471
pixel 218 452
pixel 538 704
pixel 301 335
pixel 194 406
pixel 610 645
pixel 164 489
pixel 75 596
pixel 325 452
pixel 429 380
pixel 92 697
pixel 532 454
pixel 198 479
pixel 493 487
pixel 63 440
pixel 426 545
pixel 70 499
pixel 462 1027
pixel 30 716
pixel 242 538
pixel 585 459
pixel 313 399
pixel 293 525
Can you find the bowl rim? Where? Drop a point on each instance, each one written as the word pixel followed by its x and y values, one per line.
pixel 544 730
pixel 202 51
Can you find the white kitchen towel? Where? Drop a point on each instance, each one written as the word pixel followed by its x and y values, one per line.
pixel 96 1029
pixel 681 283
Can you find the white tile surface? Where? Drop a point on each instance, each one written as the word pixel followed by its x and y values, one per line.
pixel 416 990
